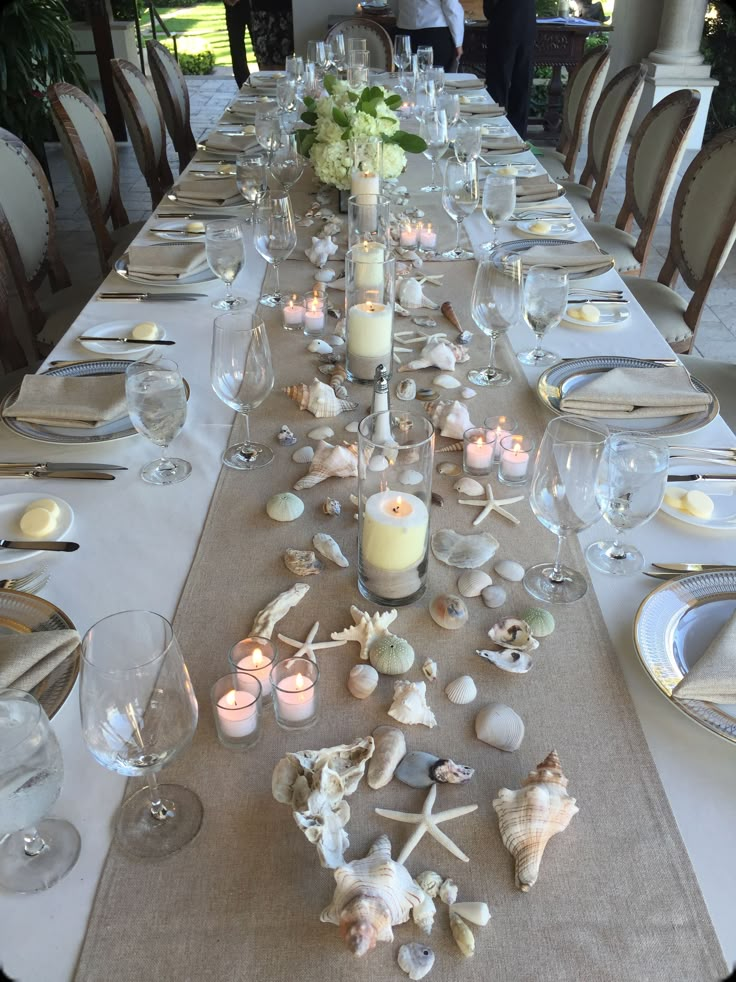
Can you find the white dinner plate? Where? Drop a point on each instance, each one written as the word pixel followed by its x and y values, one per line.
pixel 521 170
pixel 117 329
pixel 557 228
pixel 12 507
pixel 612 315
pixel 723 494
pixel 175 230
pixel 203 276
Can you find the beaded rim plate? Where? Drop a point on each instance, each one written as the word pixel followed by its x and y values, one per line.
pixel 505 249
pixel 673 627
pixel 203 276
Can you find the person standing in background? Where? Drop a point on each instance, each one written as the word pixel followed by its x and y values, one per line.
pixel 238 18
pixel 439 23
pixel 273 33
pixel 512 28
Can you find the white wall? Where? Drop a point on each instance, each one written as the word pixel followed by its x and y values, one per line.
pixel 310 19
pixel 635 32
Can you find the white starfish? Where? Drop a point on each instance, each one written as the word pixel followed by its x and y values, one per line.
pixel 490 504
pixel 307 648
pixel 425 821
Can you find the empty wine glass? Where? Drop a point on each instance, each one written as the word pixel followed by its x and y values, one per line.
pixel 564 499
pixel 545 301
pixel 251 177
pixel 433 130
pixel 241 374
pixel 268 130
pixel 157 403
pixel 402 52
pixel 274 236
pixel 632 479
pixel 315 52
pixel 339 56
pixel 35 851
pixel 495 306
pixel 225 250
pixel 450 102
pixel 459 199
pixel 286 94
pixel 468 138
pixel 499 201
pixel 437 75
pixel 287 164
pixel 425 57
pixel 139 712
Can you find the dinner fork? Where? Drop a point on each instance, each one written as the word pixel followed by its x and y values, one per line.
pixel 30 583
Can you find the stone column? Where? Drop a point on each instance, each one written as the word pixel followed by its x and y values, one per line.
pixel 680 33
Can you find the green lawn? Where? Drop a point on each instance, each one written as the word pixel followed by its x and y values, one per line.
pixel 199 28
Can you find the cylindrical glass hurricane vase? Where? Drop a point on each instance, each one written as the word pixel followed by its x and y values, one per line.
pixel 395 457
pixel 370 284
pixel 369 220
pixel 367 157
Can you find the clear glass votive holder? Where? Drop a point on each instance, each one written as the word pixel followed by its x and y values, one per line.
pixel 315 314
pixel 426 238
pixel 479 444
pixel 295 690
pixel 502 426
pixel 369 220
pixel 357 77
pixel 293 313
pixel 236 705
pixel 515 462
pixel 370 285
pixel 255 656
pixel 409 236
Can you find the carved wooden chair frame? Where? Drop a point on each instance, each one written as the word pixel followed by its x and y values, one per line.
pixel 177 121
pixel 369 27
pixel 12 353
pixel 571 139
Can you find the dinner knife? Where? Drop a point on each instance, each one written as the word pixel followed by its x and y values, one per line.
pixel 69 475
pixel 47 546
pixel 125 340
pixel 49 466
pixel 147 298
pixel 691 567
pixel 202 217
pixel 689 478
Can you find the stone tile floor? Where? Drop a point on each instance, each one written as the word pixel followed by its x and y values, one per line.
pixel 210 95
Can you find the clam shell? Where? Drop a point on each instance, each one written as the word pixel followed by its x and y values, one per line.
pixel 469 486
pixel 448 611
pixel 499 726
pixel 415 959
pixel 318 346
pixel 507 569
pixel 284 507
pixel 362 680
pixel 448 469
pixel 410 477
pixel 493 596
pixel 541 621
pixel 406 390
pixel 390 748
pixel 445 381
pixel 463 551
pixel 473 582
pixel 475 911
pixel 391 655
pixel 303 455
pixel 461 690
pixel 321 433
pixel 327 547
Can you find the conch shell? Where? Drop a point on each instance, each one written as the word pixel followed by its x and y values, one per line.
pixel 412 295
pixel 452 419
pixel 366 629
pixel 322 249
pixel 372 895
pixel 329 461
pixel 410 704
pixel 320 399
pixel 529 817
pixel 437 353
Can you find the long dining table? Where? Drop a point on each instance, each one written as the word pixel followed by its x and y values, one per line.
pixel 138 544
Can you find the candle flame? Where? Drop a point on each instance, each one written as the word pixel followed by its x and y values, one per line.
pixel 396 507
pixel 517 448
pixel 230 699
pixel 291 304
pixel 299 683
pixel 479 441
pixel 429 226
pixel 257 657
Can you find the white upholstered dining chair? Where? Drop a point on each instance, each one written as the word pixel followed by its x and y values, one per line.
pixel 377 39
pixel 173 97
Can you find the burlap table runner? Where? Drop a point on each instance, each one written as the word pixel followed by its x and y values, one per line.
pixel 616 901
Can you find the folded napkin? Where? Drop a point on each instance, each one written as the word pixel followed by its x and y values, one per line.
pixel 208 190
pixel 637 393
pixel 574 256
pixel 250 107
pixel 265 79
pixel 172 260
pixel 464 83
pixel 77 402
pixel 223 143
pixel 483 108
pixel 26 659
pixel 537 187
pixel 713 676
pixel 507 144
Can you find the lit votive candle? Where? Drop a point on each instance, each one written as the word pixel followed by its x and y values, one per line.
pixel 236 701
pixel 294 687
pixel 502 426
pixel 408 237
pixel 516 451
pixel 369 258
pixel 294 313
pixel 314 314
pixel 479 444
pixel 428 238
pixel 254 656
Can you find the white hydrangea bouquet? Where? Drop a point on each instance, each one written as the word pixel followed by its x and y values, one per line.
pixel 344 115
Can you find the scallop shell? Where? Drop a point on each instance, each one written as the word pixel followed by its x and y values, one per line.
pixel 329 461
pixel 462 934
pixel 303 455
pixel 499 726
pixel 406 390
pixel 319 399
pixel 461 691
pixel 512 632
pixel 391 655
pixel 410 704
pixel 541 621
pixel 448 892
pixel 429 669
pixel 416 960
pixel 473 582
pixel 362 680
pixel 284 507
pixel 321 433
pixel 469 486
pixel 463 551
pixel 410 477
pixel 448 469
pixel 318 346
pixel 445 381
pixel 430 882
pixel 508 659
pixel 507 569
pixel 494 596
pixel 331 506
pixel 302 563
pixel 448 611
pixel 475 911
pixel 390 748
pixel 327 547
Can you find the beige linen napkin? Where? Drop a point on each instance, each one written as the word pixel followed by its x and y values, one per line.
pixel 26 659
pixel 223 143
pixel 172 260
pixel 537 186
pixel 484 108
pixel 574 256
pixel 76 402
pixel 212 191
pixel 713 676
pixel 505 144
pixel 637 393
pixel 465 83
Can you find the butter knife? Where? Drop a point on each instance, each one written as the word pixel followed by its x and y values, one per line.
pixel 689 478
pixel 47 546
pixel 691 567
pixel 125 340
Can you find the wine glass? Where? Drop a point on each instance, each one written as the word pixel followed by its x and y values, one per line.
pixel 241 374
pixel 286 94
pixel 339 57
pixel 287 164
pixel 499 201
pixel 402 53
pixel 468 138
pixel 35 852
pixel 425 57
pixel 632 479
pixel 450 102
pixel 268 131
pixel 251 178
pixel 563 496
pixel 459 199
pixel 433 130
pixel 495 305
pixel 225 250
pixel 139 712
pixel 437 75
pixel 294 67
pixel 545 301
pixel 274 236
pixel 157 403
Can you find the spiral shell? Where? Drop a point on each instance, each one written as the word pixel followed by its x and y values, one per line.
pixel 475 911
pixel 329 461
pixel 461 690
pixel 430 882
pixel 362 680
pixel 462 934
pixel 331 506
pixel 319 399
pixel 448 892
pixel 406 390
pixel 499 726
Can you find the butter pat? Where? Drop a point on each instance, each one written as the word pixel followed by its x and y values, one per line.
pixel 37 523
pixel 145 331
pixel 197 227
pixel 227 169
pixel 49 505
pixel 541 228
pixel 508 171
pixel 590 313
pixel 675 497
pixel 698 503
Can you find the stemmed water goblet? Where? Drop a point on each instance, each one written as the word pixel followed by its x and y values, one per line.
pixel 287 164
pixel 450 102
pixel 225 251
pixel 286 94
pixel 157 403
pixel 339 56
pixel 316 52
pixel 425 57
pixel 459 199
pixel 433 130
pixel 495 306
pixel 241 374
pixel 564 498
pixel 437 75
pixel 268 131
pixel 499 201
pixel 274 236
pixel 468 139
pixel 294 66
pixel 251 177
pixel 545 301
pixel 139 712
pixel 630 486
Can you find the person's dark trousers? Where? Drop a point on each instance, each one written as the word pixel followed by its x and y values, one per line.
pixel 512 28
pixel 237 18
pixel 441 42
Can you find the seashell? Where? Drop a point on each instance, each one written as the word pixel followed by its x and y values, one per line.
pixel 430 882
pixel 468 393
pixel 321 250
pixel 461 691
pixel 362 681
pixel 429 669
pixel 415 959
pixel 469 486
pixel 406 390
pixel 473 582
pixel 331 506
pixel 321 433
pixel 499 726
pixel 463 551
pixel 353 427
pixel 306 222
pixel 340 391
pixel 284 507
pixel 267 618
pixel 319 399
pixel 329 461
pixel 285 437
pixel 318 346
pixel 494 596
pixel 391 655
pixel 410 477
pixel 512 632
pixel 427 395
pixel 333 227
pixel 475 911
pixel 448 311
pixel 412 296
pixel 540 621
pixel 509 659
pixel 437 353
pixel 327 547
pixel 410 704
pixel 303 455
pixel 421 770
pixel 451 447
pixel 325 276
pixel 507 569
pixel 529 817
pixel 366 628
pixel 437 499
pixel 302 563
pixel 448 469
pixel 448 611
pixel 448 892
pixel 445 381
pixel 452 419
pixel 378 462
pixel 390 748
pixel 336 341
pixel 463 935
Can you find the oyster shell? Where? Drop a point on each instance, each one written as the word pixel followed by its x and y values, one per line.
pixel 284 507
pixel 303 455
pixel 327 547
pixel 462 934
pixel 473 582
pixel 463 551
pixel 420 770
pixel 267 618
pixel 319 399
pixel 406 390
pixel 302 563
pixel 448 611
pixel 410 704
pixel 416 960
pixel 391 655
pixel 329 461
pixel 461 690
pixel 512 632
pixel 499 726
pixel 475 911
pixel 390 748
pixel 469 486
pixel 362 680
pixel 507 659
pixel 366 628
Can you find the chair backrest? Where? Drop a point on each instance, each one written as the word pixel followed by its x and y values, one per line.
pixel 90 151
pixel 656 152
pixel 13 355
pixel 609 127
pixel 173 97
pixel 377 38
pixel 145 124
pixel 583 91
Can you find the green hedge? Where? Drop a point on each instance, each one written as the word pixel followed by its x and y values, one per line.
pixel 199 64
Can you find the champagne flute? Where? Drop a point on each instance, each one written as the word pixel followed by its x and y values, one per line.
pixel 157 403
pixel 630 487
pixel 545 301
pixel 402 53
pixel 241 374
pixel 564 499
pixel 495 305
pixel 499 201
pixel 437 75
pixel 459 199
pixel 287 164
pixel 468 138
pixel 433 130
pixel 274 236
pixel 35 851
pixel 139 712
pixel 251 178
pixel 225 250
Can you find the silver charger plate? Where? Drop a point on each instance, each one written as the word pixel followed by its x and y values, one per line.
pixel 121 267
pixel 673 627
pixel 505 249
pixel 560 379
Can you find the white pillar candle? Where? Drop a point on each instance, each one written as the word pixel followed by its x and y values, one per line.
pixel 369 329
pixel 237 714
pixel 259 665
pixel 394 533
pixel 479 455
pixel 295 698
pixel 428 238
pixel 294 313
pixel 365 182
pixel 514 461
pixel 369 258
